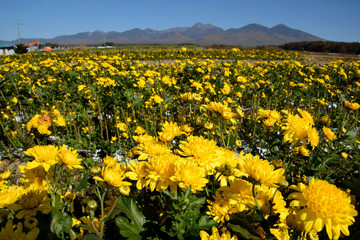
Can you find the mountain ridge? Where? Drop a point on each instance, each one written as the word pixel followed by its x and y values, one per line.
pixel 250 35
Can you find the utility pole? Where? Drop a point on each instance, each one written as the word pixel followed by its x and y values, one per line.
pixel 104 39
pixel 17 22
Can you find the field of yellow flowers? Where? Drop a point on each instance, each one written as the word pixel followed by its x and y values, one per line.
pixel 178 144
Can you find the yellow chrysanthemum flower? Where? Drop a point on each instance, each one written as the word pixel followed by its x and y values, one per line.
pixel 32 201
pixel 330 135
pixel 270 116
pixel 187 174
pixel 31 223
pixel 5 175
pixel 226 89
pixel 45 156
pixel 34 176
pixel 81 87
pixel 298 128
pixel 170 130
pixel 69 157
pixel 122 126
pixel 271 202
pixel 93 224
pixel 160 169
pixel 149 147
pixel 226 171
pixel 326 120
pixel 299 226
pixel 323 204
pixel 56 117
pixel 200 150
pixel 10 195
pixel 140 130
pixel 313 137
pixel 215 235
pixel 33 123
pixel 43 129
pixel 344 155
pixel 137 172
pixel 45 120
pixel 9 233
pixel 224 110
pixel 60 121
pixel 41 123
pixel 221 208
pixel 261 170
pixel 190 96
pixel 75 221
pixel 115 176
pixel 352 106
pixel 70 196
pixel 110 161
pixel 187 129
pixel 306 116
pixel 240 194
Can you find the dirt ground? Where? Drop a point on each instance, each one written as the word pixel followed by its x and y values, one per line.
pixel 325 58
pixel 10 164
pixel 316 58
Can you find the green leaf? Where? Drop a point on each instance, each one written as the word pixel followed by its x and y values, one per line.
pixel 86 227
pixel 84 183
pixel 172 195
pixel 58 205
pixel 351 137
pixel 127 229
pixel 231 139
pixel 242 231
pixel 205 223
pixel 199 201
pixel 187 192
pixel 60 222
pixel 258 217
pixel 90 237
pixel 130 229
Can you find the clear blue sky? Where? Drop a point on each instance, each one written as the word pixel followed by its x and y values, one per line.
pixel 334 20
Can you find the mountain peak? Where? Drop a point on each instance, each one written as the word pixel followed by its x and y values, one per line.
pixel 200 29
pixel 203 26
pixel 250 28
pixel 254 27
pixel 280 26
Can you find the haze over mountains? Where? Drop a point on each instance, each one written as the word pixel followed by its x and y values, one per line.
pixel 199 34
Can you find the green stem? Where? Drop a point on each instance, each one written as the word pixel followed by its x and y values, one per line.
pixel 100 119
pixel 7 135
pixel 111 210
pixel 96 231
pixel 254 195
pixel 102 199
pixel 102 221
pixel 50 190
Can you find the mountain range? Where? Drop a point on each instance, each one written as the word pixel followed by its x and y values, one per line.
pixel 199 34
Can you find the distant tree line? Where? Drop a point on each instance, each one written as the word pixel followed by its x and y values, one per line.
pixel 321 46
pixel 52 45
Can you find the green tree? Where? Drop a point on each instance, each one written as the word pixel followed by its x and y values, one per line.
pixel 20 48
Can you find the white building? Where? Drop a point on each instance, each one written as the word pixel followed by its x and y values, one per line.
pixel 7 49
